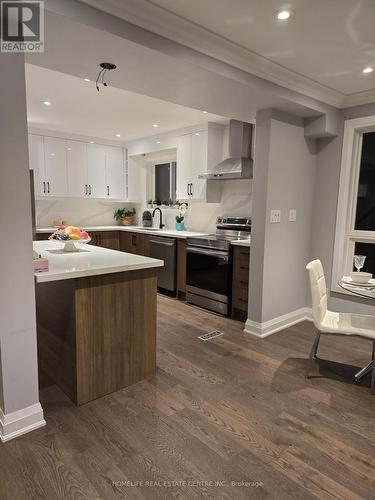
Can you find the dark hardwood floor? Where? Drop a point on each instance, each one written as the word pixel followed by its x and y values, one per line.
pixel 234 410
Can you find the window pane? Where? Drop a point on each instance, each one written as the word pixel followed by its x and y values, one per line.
pixel 367 249
pixel 365 215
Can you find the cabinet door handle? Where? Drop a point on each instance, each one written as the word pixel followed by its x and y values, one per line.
pixel 187 189
pixel 191 189
pixel 48 187
pixel 44 187
pixel 86 189
pixel 107 190
pixel 90 189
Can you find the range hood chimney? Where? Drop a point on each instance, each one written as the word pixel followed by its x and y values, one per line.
pixel 238 164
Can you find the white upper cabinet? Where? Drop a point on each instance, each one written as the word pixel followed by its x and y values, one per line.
pixel 76 160
pixel 115 173
pixel 198 153
pixel 96 178
pixel 69 168
pixel 183 172
pixel 56 176
pixel 36 163
pixel 198 165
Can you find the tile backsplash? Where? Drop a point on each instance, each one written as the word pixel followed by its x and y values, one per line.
pixel 235 200
pixel 78 212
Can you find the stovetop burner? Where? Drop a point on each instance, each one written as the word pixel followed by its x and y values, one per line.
pixel 228 228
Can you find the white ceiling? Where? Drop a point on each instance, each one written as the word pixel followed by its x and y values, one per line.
pixel 77 108
pixel 328 41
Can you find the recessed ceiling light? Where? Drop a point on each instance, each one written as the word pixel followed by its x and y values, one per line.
pixel 69 149
pixel 155 125
pixel 196 133
pixel 87 80
pixel 91 142
pixel 118 135
pixel 47 103
pixel 157 142
pixel 368 69
pixel 284 14
pixel 205 112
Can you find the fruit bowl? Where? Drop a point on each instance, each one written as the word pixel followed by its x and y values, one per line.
pixel 70 235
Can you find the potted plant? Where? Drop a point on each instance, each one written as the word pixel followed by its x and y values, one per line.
pixel 125 216
pixel 146 219
pixel 180 225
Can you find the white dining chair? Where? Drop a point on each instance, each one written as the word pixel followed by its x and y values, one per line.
pixel 335 323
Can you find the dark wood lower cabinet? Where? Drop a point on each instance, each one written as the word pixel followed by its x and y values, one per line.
pixel 240 282
pixel 42 236
pixel 137 243
pixel 97 334
pixel 106 239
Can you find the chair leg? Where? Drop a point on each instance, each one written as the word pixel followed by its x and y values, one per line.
pixel 312 357
pixel 373 370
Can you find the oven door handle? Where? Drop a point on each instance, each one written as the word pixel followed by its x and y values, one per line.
pixel 210 253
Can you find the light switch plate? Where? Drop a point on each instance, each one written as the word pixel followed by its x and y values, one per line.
pixel 275 216
pixel 292 215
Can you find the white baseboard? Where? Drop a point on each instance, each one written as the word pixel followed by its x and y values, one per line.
pixel 20 422
pixel 267 328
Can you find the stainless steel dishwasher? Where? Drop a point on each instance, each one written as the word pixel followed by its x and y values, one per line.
pixel 165 249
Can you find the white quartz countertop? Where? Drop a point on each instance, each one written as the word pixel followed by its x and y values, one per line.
pixel 137 229
pixel 242 243
pixel 89 261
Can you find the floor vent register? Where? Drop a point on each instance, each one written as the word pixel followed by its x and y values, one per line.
pixel 210 335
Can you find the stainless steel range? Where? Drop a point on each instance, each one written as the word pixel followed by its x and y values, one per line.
pixel 209 264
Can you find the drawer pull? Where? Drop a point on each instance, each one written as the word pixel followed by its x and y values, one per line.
pixel 244 282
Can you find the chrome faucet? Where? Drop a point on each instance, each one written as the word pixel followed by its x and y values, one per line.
pixel 161 225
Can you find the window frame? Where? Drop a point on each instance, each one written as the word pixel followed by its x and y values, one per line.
pixel 345 235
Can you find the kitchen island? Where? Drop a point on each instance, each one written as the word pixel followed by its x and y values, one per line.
pixel 96 319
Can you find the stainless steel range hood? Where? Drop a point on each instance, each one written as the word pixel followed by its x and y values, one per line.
pixel 238 164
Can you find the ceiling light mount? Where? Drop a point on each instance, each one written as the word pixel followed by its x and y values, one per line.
pixel 105 66
pixel 368 69
pixel 284 14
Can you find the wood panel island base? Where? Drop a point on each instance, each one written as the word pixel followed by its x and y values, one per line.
pixel 97 333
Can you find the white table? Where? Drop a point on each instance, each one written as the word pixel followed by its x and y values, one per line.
pixel 367 292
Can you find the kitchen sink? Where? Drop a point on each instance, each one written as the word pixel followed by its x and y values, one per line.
pixel 151 228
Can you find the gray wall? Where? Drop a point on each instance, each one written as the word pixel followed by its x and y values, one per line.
pixel 19 375
pixel 325 209
pixel 284 178
pixel 258 226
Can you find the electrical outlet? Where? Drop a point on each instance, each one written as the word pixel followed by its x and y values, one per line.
pixel 275 216
pixel 292 215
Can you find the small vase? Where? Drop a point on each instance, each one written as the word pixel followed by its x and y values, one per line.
pixel 146 223
pixel 180 226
